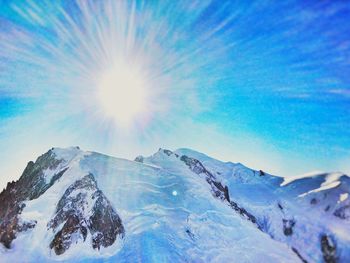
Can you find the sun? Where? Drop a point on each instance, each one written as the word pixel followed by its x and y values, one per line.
pixel 122 94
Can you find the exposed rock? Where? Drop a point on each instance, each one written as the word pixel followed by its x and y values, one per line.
pixel 343 212
pixel 104 224
pixel 139 159
pixel 190 234
pixel 30 185
pixel 195 165
pixel 167 152
pixel 84 209
pixel 243 212
pixel 313 201
pixel 218 190
pixel 84 214
pixel 280 206
pixel 226 193
pixel 299 256
pixel 328 248
pixel 288 225
pixel 63 238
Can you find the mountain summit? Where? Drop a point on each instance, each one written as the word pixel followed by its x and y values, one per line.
pixel 173 206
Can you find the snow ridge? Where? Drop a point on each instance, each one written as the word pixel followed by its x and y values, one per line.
pixel 87 207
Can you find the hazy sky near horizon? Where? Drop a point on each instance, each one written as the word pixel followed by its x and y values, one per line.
pixel 264 83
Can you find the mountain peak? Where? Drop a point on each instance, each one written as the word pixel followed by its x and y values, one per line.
pixel 176 205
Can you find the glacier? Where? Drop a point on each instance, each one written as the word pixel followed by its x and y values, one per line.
pixel 174 206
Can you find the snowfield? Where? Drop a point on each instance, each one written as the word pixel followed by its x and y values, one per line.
pixel 173 212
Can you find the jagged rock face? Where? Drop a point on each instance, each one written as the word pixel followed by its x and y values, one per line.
pixel 299 256
pixel 139 159
pixel 195 165
pixel 31 185
pixel 343 212
pixel 83 210
pixel 173 201
pixel 63 238
pixel 328 248
pixel 32 182
pixel 288 225
pixel 104 224
pixel 10 225
pixel 270 226
pixel 218 190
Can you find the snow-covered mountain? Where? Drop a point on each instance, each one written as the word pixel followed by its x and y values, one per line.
pixel 180 206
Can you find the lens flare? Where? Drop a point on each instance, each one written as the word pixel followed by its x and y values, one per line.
pixel 122 94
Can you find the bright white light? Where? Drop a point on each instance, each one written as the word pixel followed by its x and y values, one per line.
pixel 122 93
pixel 174 193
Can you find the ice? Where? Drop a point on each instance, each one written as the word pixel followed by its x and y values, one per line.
pixel 170 214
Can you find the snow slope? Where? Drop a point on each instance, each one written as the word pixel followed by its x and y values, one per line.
pixel 170 213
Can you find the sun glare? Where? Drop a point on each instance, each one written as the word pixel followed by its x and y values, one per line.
pixel 122 94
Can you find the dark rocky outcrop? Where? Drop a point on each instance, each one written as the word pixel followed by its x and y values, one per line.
pixel 343 212
pixel 288 225
pixel 218 190
pixel 167 152
pixel 280 206
pixel 102 222
pixel 299 256
pixel 196 166
pixel 63 238
pixel 139 159
pixel 328 246
pixel 30 185
pixel 226 194
pixel 11 225
pixel 329 249
pixel 190 234
pixel 243 212
pixel 313 201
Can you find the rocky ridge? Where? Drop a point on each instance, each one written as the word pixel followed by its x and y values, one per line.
pixel 309 215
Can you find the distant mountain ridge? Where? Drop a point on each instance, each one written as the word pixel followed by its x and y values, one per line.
pixel 173 206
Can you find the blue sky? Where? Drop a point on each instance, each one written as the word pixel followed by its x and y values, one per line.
pixel 265 83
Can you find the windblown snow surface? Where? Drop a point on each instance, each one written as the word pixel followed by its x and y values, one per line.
pixel 170 214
